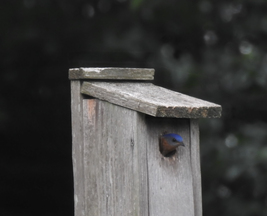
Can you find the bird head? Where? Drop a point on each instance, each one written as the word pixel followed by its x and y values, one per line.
pixel 173 139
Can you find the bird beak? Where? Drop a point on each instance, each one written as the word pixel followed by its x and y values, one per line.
pixel 182 144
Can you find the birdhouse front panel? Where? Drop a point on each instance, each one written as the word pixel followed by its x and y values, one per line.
pixel 170 178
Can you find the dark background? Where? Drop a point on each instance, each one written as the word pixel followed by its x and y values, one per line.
pixel 213 50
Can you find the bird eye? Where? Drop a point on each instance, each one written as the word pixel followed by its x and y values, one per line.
pixel 174 140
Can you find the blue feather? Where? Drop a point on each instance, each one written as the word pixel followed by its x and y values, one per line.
pixel 172 135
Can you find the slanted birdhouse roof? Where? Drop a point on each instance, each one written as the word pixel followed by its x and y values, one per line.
pixel 142 96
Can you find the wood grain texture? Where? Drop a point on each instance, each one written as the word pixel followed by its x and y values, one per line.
pixel 114 160
pixel 119 170
pixel 195 162
pixel 112 73
pixel 170 178
pixel 77 147
pixel 152 100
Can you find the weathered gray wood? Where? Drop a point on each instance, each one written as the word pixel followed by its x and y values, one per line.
pixel 118 168
pixel 114 160
pixel 170 178
pixel 112 73
pixel 124 171
pixel 152 100
pixel 195 161
pixel 77 147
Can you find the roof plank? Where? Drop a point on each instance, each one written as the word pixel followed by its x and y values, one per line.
pixel 112 73
pixel 151 99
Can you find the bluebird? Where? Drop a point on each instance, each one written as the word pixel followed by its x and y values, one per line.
pixel 169 142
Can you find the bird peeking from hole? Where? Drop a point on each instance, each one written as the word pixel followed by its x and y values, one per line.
pixel 168 143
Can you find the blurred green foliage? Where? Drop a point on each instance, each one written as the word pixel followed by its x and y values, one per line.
pixel 213 50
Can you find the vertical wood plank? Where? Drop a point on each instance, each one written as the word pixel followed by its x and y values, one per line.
pixel 77 147
pixel 196 170
pixel 170 178
pixel 114 160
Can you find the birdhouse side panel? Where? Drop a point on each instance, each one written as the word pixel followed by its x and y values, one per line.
pixel 114 160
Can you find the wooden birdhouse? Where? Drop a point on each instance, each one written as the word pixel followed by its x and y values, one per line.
pixel 118 120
